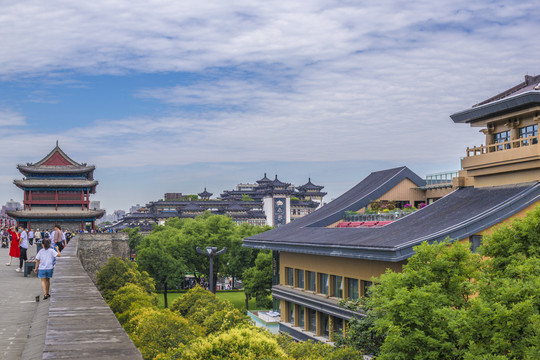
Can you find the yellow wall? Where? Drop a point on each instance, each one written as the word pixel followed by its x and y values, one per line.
pixel 405 190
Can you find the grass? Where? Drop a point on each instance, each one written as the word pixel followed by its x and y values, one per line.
pixel 238 299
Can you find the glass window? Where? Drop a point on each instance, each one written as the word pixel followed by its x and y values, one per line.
pixel 325 321
pixel 323 278
pixel 502 137
pixel 337 286
pixel 301 316
pixel 289 276
pixel 352 291
pixel 290 308
pixel 311 281
pixel 338 325
pixel 312 320
pixel 475 241
pixel 528 131
pixel 366 284
pixel 300 279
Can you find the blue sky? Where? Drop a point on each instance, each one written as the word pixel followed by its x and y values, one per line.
pixel 172 96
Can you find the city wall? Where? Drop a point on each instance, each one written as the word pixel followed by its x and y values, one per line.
pixel 95 249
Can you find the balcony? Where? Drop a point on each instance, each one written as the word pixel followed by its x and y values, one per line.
pixel 502 159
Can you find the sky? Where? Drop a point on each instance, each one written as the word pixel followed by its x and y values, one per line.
pixel 174 96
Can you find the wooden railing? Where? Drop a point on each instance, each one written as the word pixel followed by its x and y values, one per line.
pixel 501 146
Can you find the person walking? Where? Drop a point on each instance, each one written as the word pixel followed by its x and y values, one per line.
pixel 24 248
pixel 14 250
pixel 37 238
pixel 58 238
pixel 31 237
pixel 45 265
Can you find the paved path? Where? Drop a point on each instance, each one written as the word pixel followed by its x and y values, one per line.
pixel 17 306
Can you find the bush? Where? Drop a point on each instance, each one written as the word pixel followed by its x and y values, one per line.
pixel 117 273
pixel 130 298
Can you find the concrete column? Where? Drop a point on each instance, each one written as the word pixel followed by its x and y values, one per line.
pixel 319 331
pixel 295 311
pixel 514 135
pixel 283 310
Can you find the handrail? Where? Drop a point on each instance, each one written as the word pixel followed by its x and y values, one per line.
pixel 501 146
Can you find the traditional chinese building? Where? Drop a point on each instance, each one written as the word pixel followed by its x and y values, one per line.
pixel 57 191
pixel 325 257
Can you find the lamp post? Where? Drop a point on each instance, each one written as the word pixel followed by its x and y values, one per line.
pixel 211 252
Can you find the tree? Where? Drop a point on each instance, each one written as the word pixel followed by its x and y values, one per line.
pixel 156 332
pixel 135 237
pixel 129 299
pixel 207 310
pixel 156 259
pixel 246 197
pixel 258 281
pixel 240 344
pixel 309 350
pixel 117 273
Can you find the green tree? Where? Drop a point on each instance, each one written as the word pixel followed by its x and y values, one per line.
pixel 129 299
pixel 309 350
pixel 258 281
pixel 117 273
pixel 156 258
pixel 135 237
pixel 156 332
pixel 239 344
pixel 246 197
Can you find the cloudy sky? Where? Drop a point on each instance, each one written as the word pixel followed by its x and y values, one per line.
pixel 172 96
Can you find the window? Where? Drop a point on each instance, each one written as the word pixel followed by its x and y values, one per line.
pixel 338 325
pixel 312 320
pixel 301 316
pixel 325 322
pixel 311 281
pixel 323 280
pixel 352 289
pixel 529 131
pixel 300 279
pixel 502 137
pixel 337 286
pixel 289 276
pixel 366 285
pixel 290 309
pixel 475 241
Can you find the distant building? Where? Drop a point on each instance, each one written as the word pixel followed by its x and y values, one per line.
pixel 134 208
pixel 173 196
pixel 57 191
pixel 95 205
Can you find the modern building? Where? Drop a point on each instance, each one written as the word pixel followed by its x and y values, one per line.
pixel 57 191
pixel 325 257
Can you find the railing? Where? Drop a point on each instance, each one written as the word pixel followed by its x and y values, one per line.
pixel 377 217
pixel 501 146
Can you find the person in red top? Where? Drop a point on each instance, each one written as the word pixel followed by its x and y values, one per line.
pixel 14 251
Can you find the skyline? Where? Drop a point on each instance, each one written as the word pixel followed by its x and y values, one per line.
pixel 169 97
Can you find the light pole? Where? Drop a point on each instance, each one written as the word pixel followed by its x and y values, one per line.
pixel 211 252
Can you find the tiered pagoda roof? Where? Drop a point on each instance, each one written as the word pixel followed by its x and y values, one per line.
pixel 57 162
pixel 205 194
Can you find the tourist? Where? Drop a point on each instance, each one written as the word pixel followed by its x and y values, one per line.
pixel 57 238
pixel 37 237
pixel 14 250
pixel 23 236
pixel 31 237
pixel 3 234
pixel 44 266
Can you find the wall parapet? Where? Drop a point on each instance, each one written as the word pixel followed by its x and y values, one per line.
pixel 80 324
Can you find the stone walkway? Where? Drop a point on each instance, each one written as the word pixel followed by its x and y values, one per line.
pixel 17 306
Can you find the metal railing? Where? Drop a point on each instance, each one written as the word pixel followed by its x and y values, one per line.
pixel 377 217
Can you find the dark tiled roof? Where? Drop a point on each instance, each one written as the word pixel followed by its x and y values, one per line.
pixel 235 207
pixel 529 84
pixel 205 194
pixel 264 180
pixel 69 183
pixel 192 207
pixel 460 214
pixel 278 183
pixel 310 186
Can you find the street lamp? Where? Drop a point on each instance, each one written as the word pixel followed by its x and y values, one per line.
pixel 211 252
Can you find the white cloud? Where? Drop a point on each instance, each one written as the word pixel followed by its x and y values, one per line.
pixel 11 118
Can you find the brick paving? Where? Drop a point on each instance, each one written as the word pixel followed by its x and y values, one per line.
pixel 17 306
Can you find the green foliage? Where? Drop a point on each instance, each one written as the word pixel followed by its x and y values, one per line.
pixel 246 197
pixel 361 335
pixel 156 332
pixel 117 273
pixel 207 310
pixel 238 344
pixel 375 205
pixel 258 280
pixel 134 237
pixel 308 350
pixel 130 298
pixel 294 199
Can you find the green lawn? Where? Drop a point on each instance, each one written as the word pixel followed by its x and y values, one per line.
pixel 236 297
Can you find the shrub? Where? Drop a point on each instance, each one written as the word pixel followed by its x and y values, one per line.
pixel 117 273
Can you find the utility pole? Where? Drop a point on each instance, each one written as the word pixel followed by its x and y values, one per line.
pixel 211 252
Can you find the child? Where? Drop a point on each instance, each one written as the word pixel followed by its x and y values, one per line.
pixel 44 266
